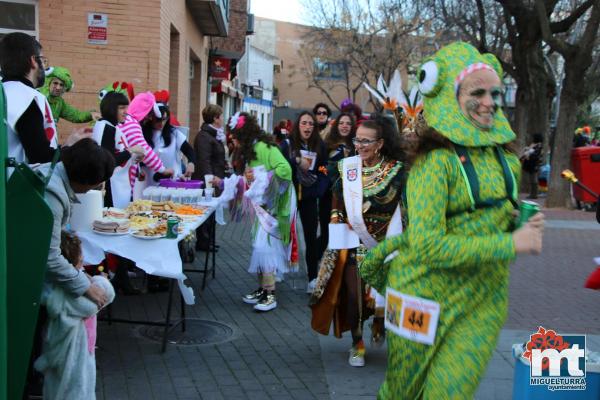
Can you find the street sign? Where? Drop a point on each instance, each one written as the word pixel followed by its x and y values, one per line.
pixel 97 28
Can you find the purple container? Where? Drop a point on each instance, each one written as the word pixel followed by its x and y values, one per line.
pixel 180 184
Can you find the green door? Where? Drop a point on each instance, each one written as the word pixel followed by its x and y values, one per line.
pixel 28 232
pixel 3 321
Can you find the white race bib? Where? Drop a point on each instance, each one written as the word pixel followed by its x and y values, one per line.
pixel 411 317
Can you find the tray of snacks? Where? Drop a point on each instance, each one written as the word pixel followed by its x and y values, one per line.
pixel 155 232
pixel 139 205
pixel 189 210
pixel 163 206
pixel 142 220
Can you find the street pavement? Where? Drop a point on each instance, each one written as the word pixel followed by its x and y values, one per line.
pixel 276 355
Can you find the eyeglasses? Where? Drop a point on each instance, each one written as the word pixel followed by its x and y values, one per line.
pixel 321 113
pixel 363 142
pixel 307 123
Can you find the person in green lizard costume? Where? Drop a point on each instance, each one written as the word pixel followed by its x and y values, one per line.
pixel 58 81
pixel 459 242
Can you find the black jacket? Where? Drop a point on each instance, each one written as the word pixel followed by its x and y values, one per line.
pixel 210 153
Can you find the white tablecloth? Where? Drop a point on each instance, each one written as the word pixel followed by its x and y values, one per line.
pixel 159 257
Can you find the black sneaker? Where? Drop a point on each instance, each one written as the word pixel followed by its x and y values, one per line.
pixel 253 297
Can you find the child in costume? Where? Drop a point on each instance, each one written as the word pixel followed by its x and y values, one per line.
pixel 168 141
pixel 108 135
pixel 58 81
pixel 68 360
pixel 455 254
pixel 126 88
pixel 265 191
pixel 142 108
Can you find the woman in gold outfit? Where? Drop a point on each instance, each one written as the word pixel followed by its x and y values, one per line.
pixel 364 212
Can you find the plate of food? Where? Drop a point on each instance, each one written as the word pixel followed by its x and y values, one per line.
pixel 137 234
pixel 111 227
pixel 156 232
pixel 139 205
pixel 112 212
pixel 110 233
pixel 142 221
pixel 189 210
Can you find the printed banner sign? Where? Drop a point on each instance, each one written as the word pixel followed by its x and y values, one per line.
pixel 220 67
pixel 97 28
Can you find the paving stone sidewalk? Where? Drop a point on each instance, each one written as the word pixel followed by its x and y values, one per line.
pixel 277 356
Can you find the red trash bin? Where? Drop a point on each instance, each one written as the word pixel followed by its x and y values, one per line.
pixel 585 163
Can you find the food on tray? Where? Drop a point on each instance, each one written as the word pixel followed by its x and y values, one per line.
pixel 141 221
pixel 188 210
pixel 148 218
pixel 111 225
pixel 139 205
pixel 162 215
pixel 112 212
pixel 159 230
pixel 163 206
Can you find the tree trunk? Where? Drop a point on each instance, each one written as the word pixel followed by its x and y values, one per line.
pixel 558 190
pixel 519 124
pixel 532 107
pixel 540 81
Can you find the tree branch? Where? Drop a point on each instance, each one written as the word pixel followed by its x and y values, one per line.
pixel 514 7
pixel 482 27
pixel 557 44
pixel 565 24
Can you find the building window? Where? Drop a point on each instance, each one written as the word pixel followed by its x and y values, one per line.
pixel 327 70
pixel 19 16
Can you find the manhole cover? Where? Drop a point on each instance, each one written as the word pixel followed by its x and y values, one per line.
pixel 197 332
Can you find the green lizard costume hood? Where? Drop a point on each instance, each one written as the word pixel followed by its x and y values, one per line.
pixel 439 77
pixel 125 88
pixel 57 72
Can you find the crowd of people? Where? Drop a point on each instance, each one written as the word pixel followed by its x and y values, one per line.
pixel 391 210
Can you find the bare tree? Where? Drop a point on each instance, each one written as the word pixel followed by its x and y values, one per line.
pixel 576 50
pixel 354 41
pixel 512 30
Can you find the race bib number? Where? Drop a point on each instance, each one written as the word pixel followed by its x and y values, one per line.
pixel 411 317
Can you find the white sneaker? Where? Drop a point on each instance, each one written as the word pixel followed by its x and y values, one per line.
pixel 356 357
pixel 267 302
pixel 310 287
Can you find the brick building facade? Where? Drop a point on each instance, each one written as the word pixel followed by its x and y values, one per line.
pixel 155 44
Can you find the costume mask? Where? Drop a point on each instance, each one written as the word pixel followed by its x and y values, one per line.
pixel 440 79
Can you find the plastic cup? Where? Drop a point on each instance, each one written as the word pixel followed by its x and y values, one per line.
pixel 147 193
pixel 156 194
pixel 208 194
pixel 186 196
pixel 176 196
pixel 208 180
